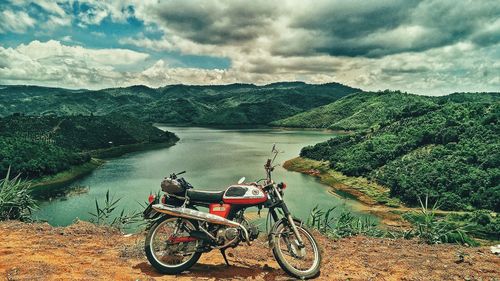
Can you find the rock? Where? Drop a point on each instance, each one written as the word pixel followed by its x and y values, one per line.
pixel 495 249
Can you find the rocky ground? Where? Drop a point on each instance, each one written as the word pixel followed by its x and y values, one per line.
pixel 85 252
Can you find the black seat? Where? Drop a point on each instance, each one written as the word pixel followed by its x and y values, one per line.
pixel 205 196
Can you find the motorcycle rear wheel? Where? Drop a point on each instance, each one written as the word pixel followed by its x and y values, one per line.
pixel 300 263
pixel 161 254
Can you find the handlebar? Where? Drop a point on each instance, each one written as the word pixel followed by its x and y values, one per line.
pixel 174 175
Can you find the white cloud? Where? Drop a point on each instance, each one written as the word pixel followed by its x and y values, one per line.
pixel 461 67
pixel 15 21
pixel 427 47
pixel 53 49
pixel 156 45
pixel 67 66
pixel 51 7
pixel 55 64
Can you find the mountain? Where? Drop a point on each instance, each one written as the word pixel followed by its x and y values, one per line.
pixel 446 147
pixel 44 145
pixel 234 104
pixel 368 109
pixel 360 111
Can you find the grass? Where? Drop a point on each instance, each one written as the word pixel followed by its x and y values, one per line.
pixel 432 229
pixel 344 225
pixel 364 190
pixel 426 226
pixel 106 214
pixel 16 201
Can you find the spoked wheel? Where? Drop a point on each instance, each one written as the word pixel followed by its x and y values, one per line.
pixel 299 262
pixel 168 245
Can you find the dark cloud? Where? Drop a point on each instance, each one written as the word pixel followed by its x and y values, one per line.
pixel 378 28
pixel 216 22
pixel 353 19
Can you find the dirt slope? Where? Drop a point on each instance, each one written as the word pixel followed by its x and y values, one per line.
pixel 85 252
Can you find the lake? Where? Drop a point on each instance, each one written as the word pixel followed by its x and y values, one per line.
pixel 213 159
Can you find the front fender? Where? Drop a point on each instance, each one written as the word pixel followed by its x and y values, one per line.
pixel 275 227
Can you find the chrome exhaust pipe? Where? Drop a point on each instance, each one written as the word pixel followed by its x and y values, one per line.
pixel 200 216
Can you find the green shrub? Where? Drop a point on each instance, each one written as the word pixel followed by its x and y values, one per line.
pixel 15 199
pixel 344 225
pixel 433 230
pixel 106 214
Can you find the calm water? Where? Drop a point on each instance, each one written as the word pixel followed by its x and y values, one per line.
pixel 213 159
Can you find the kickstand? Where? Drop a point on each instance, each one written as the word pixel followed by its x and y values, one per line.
pixel 223 252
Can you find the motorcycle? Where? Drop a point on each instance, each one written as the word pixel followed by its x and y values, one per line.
pixel 180 232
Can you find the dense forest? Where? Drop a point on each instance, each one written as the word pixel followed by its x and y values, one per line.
pixel 234 104
pixel 361 111
pixel 447 147
pixel 44 145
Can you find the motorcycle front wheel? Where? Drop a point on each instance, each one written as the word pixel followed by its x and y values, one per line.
pixel 168 246
pixel 299 262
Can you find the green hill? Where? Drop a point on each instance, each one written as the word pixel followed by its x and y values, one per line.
pixel 44 145
pixel 371 109
pixel 447 147
pixel 234 104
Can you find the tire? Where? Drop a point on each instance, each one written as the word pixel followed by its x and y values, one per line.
pixel 314 270
pixel 155 262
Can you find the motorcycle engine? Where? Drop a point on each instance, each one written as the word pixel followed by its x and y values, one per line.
pixel 227 234
pixel 253 231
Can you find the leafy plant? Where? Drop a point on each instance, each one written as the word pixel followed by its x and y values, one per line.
pixel 433 230
pixel 105 214
pixel 16 201
pixel 344 225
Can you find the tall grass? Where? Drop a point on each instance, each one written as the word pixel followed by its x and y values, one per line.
pixel 433 230
pixel 106 213
pixel 16 202
pixel 426 226
pixel 343 225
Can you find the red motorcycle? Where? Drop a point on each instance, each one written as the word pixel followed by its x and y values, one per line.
pixel 180 232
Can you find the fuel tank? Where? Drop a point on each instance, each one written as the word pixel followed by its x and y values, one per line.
pixel 242 194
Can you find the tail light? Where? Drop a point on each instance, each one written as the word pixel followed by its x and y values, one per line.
pixel 151 198
pixel 282 185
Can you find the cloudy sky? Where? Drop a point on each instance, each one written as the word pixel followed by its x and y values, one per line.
pixel 425 47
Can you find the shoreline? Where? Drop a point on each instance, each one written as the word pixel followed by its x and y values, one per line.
pixel 373 198
pixel 72 174
pixel 99 157
pixel 247 126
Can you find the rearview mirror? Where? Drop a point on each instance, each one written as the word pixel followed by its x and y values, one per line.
pixel 242 180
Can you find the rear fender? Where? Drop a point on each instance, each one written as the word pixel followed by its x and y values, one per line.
pixel 150 213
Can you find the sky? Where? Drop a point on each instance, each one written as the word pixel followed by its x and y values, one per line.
pixel 429 47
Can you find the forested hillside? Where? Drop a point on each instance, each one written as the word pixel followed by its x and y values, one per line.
pixel 446 147
pixel 361 111
pixel 373 109
pixel 44 145
pixel 235 104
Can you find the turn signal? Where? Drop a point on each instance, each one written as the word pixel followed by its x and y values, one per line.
pixel 151 198
pixel 283 185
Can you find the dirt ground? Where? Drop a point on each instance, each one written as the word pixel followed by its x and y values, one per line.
pixel 85 252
